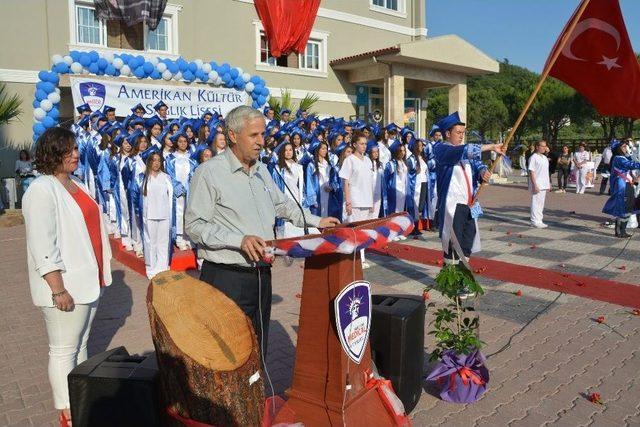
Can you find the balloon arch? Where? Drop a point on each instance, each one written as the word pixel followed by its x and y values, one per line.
pixel 47 95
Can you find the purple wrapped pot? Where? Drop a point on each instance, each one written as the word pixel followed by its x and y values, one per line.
pixel 463 377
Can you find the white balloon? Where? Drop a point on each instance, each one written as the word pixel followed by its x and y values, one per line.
pixel 246 77
pixel 240 70
pixel 56 59
pixel 198 62
pixel 118 63
pixel 213 74
pixel 161 67
pixel 206 67
pixel 109 57
pixel 68 60
pixel 58 90
pixel 85 70
pixel 46 105
pixel 166 74
pixel 125 70
pixel 154 60
pixel 249 87
pixel 54 97
pixel 76 67
pixel 268 97
pixel 218 81
pixel 39 114
pixel 177 76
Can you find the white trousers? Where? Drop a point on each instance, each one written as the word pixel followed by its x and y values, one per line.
pixel 181 204
pixel 360 214
pixel 581 179
pixel 136 238
pixel 537 206
pixel 156 245
pixel 68 333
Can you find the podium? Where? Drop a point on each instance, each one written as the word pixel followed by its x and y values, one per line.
pixel 328 388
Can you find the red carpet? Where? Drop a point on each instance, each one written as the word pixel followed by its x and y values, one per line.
pixel 180 261
pixel 583 286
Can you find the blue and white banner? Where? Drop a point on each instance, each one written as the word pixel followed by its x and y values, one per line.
pixel 353 318
pixel 187 101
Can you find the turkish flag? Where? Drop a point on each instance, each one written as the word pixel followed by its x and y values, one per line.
pixel 598 61
pixel 287 23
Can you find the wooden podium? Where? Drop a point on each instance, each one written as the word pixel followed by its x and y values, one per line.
pixel 318 395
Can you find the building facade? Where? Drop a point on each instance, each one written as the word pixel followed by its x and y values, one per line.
pixel 364 57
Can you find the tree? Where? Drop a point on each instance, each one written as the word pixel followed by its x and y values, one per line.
pixel 285 101
pixel 9 106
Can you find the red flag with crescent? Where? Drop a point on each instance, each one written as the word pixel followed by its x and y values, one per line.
pixel 598 60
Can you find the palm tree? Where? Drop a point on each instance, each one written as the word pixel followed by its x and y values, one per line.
pixel 9 106
pixel 285 101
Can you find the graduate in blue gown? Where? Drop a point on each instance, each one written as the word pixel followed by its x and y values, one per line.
pixel 621 204
pixel 397 182
pixel 320 180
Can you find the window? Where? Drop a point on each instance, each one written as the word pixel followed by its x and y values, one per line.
pixel 159 38
pixel 390 7
pixel 89 29
pixel 310 60
pixel 387 4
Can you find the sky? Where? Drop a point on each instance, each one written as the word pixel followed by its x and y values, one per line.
pixel 523 31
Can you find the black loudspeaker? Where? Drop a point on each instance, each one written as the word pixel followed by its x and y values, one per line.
pixel 397 344
pixel 115 389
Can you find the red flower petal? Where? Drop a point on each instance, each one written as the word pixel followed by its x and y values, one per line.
pixel 518 293
pixel 600 319
pixel 509 233
pixel 425 296
pixel 298 295
pixel 636 312
pixel 622 267
pixel 533 246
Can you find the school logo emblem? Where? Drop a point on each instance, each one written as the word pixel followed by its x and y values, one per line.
pixel 93 94
pixel 353 318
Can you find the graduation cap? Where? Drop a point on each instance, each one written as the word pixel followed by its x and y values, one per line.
pixel 199 149
pixel 406 130
pixel 133 137
pixel 197 124
pixel 135 120
pixel 280 146
pixel 614 144
pixel 172 123
pixel 299 132
pixel 314 145
pixel 159 105
pixel 333 135
pixel 83 108
pixel 310 119
pixel 116 126
pixel 395 146
pixel 376 130
pixel 138 107
pixel 413 143
pixel 163 136
pixel 371 145
pixel 284 110
pixel 149 151
pixel 96 113
pixel 205 113
pixel 446 123
pixel 152 121
pixel 266 110
pixel 340 148
pixel 299 113
pixel 435 128
pixel 85 121
pixel 175 136
pixel 392 127
pixel 117 140
pixel 108 108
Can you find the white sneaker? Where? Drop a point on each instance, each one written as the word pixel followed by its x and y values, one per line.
pixel 402 237
pixel 139 254
pixel 539 225
pixel 128 248
pixel 365 265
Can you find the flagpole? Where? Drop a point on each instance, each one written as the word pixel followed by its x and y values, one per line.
pixel 532 97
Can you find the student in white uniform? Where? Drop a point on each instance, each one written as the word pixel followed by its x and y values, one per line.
pixel 157 212
pixel 377 172
pixel 180 167
pixel 293 175
pixel 357 184
pixel 138 169
pixel 539 183
pixel 580 158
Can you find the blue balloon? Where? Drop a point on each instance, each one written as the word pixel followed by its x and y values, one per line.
pixel 40 85
pixel 62 68
pixel 42 75
pixel 182 64
pixel 257 89
pixel 234 73
pixel 148 67
pixel 53 77
pixel 140 60
pixel 110 70
pixel 262 100
pixel 75 55
pixel 254 95
pixel 155 75
pixel 214 65
pixel 85 60
pixel 193 67
pixel 38 128
pixel 48 122
pixel 254 80
pixel 265 91
pixel 35 137
pixel 255 104
pixel 173 67
pixel 139 73
pixel 102 63
pixel 94 56
pixel 93 68
pixel 200 75
pixel 40 94
pixel 224 68
pixel 240 85
pixel 188 76
pixel 48 87
pixel 54 113
pixel 36 104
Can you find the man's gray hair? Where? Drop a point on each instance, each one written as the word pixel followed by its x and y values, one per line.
pixel 239 116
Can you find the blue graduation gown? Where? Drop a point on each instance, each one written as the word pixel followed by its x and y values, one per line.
pixel 389 188
pixel 615 205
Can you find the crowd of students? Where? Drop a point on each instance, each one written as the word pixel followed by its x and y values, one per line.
pixel 139 170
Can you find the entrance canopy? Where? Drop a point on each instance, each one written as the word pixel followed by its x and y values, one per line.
pixel 444 61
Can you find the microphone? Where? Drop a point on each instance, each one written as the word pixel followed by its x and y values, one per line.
pixel 266 161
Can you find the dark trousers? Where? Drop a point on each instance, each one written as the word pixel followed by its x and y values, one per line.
pixel 464 227
pixel 563 178
pixel 241 284
pixel 603 184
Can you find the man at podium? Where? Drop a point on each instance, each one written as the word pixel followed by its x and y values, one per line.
pixel 231 214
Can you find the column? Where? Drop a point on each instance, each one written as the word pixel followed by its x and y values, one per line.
pixel 394 99
pixel 458 100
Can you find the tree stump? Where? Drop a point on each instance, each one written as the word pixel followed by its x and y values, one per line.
pixel 207 352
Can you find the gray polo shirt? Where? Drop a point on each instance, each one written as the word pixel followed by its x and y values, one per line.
pixel 226 203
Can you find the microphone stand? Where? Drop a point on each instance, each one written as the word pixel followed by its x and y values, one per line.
pixel 304 218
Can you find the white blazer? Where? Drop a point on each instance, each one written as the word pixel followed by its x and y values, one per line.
pixel 57 239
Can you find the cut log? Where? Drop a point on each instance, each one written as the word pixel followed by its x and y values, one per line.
pixel 207 352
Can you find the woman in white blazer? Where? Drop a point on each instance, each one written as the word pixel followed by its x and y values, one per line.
pixel 68 256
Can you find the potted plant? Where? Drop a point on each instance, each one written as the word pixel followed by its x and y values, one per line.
pixel 460 370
